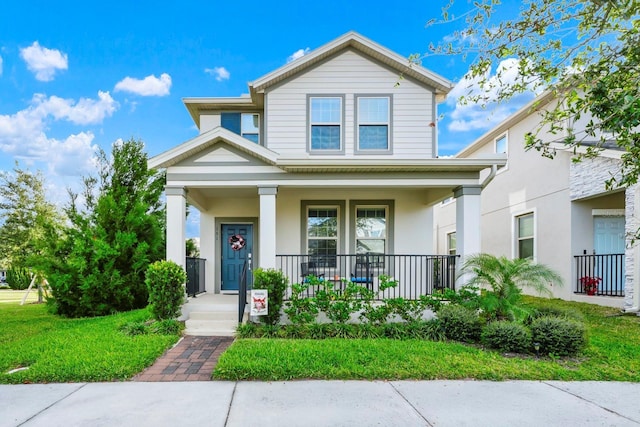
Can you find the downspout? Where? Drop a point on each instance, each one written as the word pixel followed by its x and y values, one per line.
pixel 488 179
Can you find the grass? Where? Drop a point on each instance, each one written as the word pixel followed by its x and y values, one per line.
pixel 613 354
pixel 56 349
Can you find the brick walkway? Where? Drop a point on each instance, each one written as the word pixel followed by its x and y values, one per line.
pixel 192 359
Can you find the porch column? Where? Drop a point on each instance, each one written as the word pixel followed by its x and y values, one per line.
pixel 267 243
pixel 467 224
pixel 176 224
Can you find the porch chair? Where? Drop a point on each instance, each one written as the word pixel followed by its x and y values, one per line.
pixel 310 269
pixel 363 274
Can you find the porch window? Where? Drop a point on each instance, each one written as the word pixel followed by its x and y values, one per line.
pixel 325 121
pixel 451 243
pixel 322 234
pixel 373 123
pixel 371 230
pixel 525 236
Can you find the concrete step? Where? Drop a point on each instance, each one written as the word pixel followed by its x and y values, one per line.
pixel 214 315
pixel 214 328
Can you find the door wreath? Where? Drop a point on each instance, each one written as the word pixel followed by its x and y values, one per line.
pixel 237 242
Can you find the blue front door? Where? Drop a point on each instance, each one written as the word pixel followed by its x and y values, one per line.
pixel 232 260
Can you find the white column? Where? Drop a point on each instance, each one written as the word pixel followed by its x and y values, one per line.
pixel 267 243
pixel 467 223
pixel 176 224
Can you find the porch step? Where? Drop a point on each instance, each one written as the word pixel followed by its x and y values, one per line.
pixel 214 328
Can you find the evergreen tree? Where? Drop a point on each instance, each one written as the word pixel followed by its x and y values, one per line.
pixel 115 233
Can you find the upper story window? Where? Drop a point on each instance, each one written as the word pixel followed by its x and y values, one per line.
pixel 373 123
pixel 325 121
pixel 246 125
pixel 501 144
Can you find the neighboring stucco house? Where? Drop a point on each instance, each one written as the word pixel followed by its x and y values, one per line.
pixel 556 211
pixel 328 159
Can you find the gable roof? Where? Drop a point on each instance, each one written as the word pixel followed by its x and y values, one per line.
pixel 350 40
pixel 207 139
pixel 359 43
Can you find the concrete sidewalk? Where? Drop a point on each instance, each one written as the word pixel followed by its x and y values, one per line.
pixel 322 403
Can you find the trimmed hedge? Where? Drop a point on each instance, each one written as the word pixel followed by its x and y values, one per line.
pixel 165 281
pixel 507 337
pixel 460 323
pixel 558 336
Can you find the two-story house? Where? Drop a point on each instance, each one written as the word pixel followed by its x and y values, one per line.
pixel 557 211
pixel 330 156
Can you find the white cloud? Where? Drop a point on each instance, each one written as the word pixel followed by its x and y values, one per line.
pixel 298 54
pixel 44 62
pixel 220 73
pixel 149 86
pixel 23 135
pixel 483 116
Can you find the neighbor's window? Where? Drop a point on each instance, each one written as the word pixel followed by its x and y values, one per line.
pixel 373 123
pixel 501 144
pixel 524 228
pixel 451 243
pixel 371 230
pixel 251 127
pixel 325 115
pixel 322 233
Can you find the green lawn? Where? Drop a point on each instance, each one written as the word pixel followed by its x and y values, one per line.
pixel 613 354
pixel 71 350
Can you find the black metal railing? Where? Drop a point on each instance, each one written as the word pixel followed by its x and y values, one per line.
pixel 243 288
pixel 195 276
pixel 416 275
pixel 600 274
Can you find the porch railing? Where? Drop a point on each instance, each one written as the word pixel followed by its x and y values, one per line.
pixel 195 276
pixel 416 274
pixel 609 269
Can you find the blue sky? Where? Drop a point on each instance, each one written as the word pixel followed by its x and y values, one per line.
pixel 75 76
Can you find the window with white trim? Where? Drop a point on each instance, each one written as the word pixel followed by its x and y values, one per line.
pixel 501 144
pixel 325 121
pixel 525 236
pixel 373 123
pixel 451 243
pixel 322 232
pixel 371 229
pixel 250 127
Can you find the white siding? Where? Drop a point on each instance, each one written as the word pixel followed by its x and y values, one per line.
pixel 350 74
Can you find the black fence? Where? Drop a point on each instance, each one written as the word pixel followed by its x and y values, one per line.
pixel 195 276
pixel 600 275
pixel 416 274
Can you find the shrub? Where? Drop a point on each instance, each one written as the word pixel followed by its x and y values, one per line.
pixel 302 310
pixel 558 336
pixel 339 304
pixel 548 311
pixel 507 336
pixel 275 283
pixel 165 280
pixel 167 327
pixel 18 278
pixel 460 323
pixel 247 330
pixel 135 328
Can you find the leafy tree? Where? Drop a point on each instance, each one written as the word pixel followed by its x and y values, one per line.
pixel 584 53
pixel 25 217
pixel 192 248
pixel 501 281
pixel 99 262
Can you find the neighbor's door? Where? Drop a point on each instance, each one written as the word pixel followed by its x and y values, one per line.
pixel 233 261
pixel 609 238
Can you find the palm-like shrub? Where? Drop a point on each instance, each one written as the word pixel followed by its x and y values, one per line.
pixel 501 281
